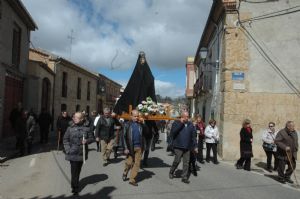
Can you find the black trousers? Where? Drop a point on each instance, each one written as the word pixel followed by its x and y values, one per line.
pixel 185 154
pixel 192 163
pixel 20 145
pixel 29 145
pixel 246 162
pixel 148 144
pixel 44 132
pixel 281 168
pixel 200 149
pixel 269 159
pixel 212 146
pixel 75 173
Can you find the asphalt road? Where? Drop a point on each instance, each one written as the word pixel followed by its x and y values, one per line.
pixel 46 175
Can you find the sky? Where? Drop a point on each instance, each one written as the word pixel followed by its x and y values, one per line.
pixel 107 35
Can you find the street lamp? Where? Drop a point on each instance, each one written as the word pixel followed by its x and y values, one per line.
pixel 203 55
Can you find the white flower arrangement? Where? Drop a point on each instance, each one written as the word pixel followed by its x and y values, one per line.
pixel 150 107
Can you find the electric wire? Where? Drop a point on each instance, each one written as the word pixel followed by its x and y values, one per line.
pixel 265 55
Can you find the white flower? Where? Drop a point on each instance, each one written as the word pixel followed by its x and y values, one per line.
pixel 140 107
pixel 144 102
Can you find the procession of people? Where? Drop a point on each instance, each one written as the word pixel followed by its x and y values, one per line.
pixel 133 138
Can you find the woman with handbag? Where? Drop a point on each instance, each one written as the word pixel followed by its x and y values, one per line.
pixel 245 146
pixel 269 146
pixel 212 136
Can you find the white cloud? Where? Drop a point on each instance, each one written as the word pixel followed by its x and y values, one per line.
pixel 164 89
pixel 167 30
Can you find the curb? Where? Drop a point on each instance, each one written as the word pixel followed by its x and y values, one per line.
pixel 4 159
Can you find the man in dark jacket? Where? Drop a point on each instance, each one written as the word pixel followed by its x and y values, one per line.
pixel 134 146
pixel 73 144
pixel 287 147
pixel 45 121
pixel 105 133
pixel 183 134
pixel 62 125
pixel 15 117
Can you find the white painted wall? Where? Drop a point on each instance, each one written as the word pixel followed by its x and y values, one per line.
pixel 280 38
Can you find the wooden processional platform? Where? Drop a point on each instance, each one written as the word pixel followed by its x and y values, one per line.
pixel 127 116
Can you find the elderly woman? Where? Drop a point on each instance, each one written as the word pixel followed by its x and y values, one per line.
pixel 269 146
pixel 76 137
pixel 211 138
pixel 245 146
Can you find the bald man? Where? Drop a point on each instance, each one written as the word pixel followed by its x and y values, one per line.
pixel 183 134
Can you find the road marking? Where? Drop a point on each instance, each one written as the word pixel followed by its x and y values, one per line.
pixel 32 162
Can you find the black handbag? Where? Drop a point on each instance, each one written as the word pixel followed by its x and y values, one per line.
pixel 268 147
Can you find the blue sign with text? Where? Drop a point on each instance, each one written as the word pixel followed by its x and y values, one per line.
pixel 238 76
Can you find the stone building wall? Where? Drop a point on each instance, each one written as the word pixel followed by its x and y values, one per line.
pixel 243 99
pixel 71 100
pixel 36 74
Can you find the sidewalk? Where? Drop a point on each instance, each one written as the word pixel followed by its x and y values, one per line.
pixel 8 146
pixel 8 149
pixel 258 167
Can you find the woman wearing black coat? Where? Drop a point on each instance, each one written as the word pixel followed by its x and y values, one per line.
pixel 73 144
pixel 245 146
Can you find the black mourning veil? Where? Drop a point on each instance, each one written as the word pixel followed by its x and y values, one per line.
pixel 139 87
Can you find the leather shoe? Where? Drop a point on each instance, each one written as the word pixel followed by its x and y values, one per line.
pixel 186 181
pixel 269 170
pixel 194 172
pixel 171 175
pixel 281 180
pixel 289 180
pixel 133 184
pixel 216 162
pixel 124 177
pixel 202 161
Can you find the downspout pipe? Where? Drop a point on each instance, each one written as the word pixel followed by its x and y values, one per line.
pixel 216 91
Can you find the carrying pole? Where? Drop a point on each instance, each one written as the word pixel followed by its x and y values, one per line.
pixel 83 148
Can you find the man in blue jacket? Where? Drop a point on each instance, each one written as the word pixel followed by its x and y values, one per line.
pixel 183 134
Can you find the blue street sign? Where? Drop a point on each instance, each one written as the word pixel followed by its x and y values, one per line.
pixel 237 76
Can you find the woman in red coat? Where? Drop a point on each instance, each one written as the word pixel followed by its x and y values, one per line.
pixel 245 146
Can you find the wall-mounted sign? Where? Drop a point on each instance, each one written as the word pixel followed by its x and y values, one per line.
pixel 238 76
pixel 239 86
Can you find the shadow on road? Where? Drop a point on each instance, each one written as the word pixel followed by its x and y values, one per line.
pixel 103 193
pixel 262 165
pixel 178 173
pixel 94 179
pixel 117 160
pixel 155 162
pixel 144 175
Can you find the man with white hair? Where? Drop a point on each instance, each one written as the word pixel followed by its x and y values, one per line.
pixel 105 133
pixel 287 148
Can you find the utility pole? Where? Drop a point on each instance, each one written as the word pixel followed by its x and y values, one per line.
pixel 71 42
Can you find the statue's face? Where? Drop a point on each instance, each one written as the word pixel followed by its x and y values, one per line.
pixel 142 60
